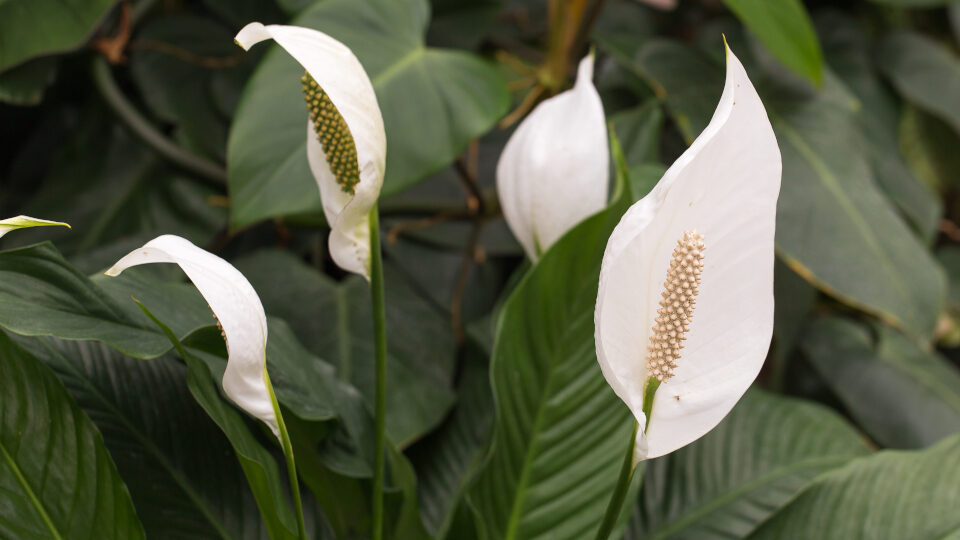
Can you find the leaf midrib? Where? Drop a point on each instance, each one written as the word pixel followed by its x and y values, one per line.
pixel 730 496
pixel 154 450
pixel 29 491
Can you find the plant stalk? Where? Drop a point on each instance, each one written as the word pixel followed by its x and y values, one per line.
pixel 380 340
pixel 620 492
pixel 288 453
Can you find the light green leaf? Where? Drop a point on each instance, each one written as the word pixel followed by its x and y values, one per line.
pixel 30 28
pixel 734 477
pixel 902 396
pixel 57 479
pixel 925 72
pixel 785 28
pixel 559 430
pixel 434 102
pixel 336 323
pixel 891 495
pixel 183 479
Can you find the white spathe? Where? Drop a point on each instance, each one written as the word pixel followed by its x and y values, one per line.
pixel 342 77
pixel 726 187
pixel 236 306
pixel 21 222
pixel 553 172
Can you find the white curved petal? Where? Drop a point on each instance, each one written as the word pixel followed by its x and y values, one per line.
pixel 553 172
pixel 342 77
pixel 725 186
pixel 235 304
pixel 21 222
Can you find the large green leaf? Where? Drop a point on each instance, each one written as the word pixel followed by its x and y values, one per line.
pixel 872 260
pixel 335 321
pixel 433 102
pixel 734 477
pixel 30 28
pixel 184 481
pixel 258 465
pixel 848 52
pixel 904 397
pixel 559 430
pixel 926 73
pixel 57 479
pixel 785 28
pixel 891 495
pixel 446 460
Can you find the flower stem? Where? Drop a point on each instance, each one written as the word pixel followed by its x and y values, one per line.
pixel 288 453
pixel 620 492
pixel 380 339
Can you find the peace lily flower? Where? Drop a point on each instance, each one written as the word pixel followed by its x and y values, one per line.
pixel 553 171
pixel 238 312
pixel 21 222
pixel 346 142
pixel 684 311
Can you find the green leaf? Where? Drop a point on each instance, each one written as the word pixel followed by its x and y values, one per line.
pixel 258 465
pixel 447 460
pixel 638 130
pixel 336 323
pixel 734 477
pixel 26 83
pixel 872 261
pixel 559 430
pixel 785 28
pixel 57 479
pixel 849 54
pixel 926 73
pixel 458 97
pixel 929 146
pixel 182 477
pixel 902 396
pixel 891 495
pixel 30 28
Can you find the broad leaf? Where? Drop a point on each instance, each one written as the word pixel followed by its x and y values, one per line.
pixel 26 83
pixel 57 479
pixel 726 483
pixel 891 495
pixel 335 322
pixel 926 73
pixel 784 27
pixel 433 102
pixel 902 396
pixel 183 477
pixel 559 430
pixel 30 28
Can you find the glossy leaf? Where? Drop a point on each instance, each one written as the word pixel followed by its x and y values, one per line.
pixel 728 482
pixel 35 27
pixel 902 396
pixel 57 478
pixel 890 495
pixel 784 27
pixel 458 97
pixel 559 430
pixel 336 323
pixel 183 477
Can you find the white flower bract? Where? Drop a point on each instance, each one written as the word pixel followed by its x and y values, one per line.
pixel 725 187
pixel 237 308
pixel 341 76
pixel 22 222
pixel 553 172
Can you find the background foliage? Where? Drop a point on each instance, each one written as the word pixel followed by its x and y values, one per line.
pixel 133 119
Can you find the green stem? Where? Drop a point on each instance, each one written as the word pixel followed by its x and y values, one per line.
pixel 143 129
pixel 380 338
pixel 620 492
pixel 288 453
